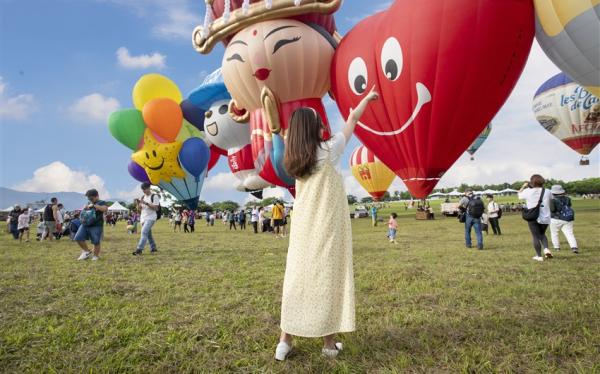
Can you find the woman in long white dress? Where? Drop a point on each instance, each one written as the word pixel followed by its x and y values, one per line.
pixel 318 288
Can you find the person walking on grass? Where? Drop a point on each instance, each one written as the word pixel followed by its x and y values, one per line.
pixel 284 222
pixel 23 225
pixel 92 225
pixel 184 218
pixel 392 228
pixel 231 219
pixel 149 204
pixel 191 220
pixel 373 215
pixel 318 287
pixel 494 212
pixel 562 218
pixel 537 197
pixel 472 207
pixel 177 218
pixel 277 218
pixel 50 217
pixel 14 221
pixel 254 219
pixel 242 219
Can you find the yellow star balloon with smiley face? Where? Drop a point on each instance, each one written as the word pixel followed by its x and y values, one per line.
pixel 159 159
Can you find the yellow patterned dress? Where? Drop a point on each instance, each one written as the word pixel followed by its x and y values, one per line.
pixel 318 288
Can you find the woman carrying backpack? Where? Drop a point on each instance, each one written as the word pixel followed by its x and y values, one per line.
pixel 562 218
pixel 538 200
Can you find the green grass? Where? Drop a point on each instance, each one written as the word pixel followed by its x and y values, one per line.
pixel 209 302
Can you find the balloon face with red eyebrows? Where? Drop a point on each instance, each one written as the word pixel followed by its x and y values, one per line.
pixel 442 69
pixel 288 56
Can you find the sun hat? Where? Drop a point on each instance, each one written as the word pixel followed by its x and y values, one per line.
pixel 557 189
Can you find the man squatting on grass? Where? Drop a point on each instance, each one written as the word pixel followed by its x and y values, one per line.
pixel 93 231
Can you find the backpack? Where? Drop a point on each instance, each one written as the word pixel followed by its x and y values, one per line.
pixel 475 207
pixel 499 212
pixel 564 211
pixel 532 214
pixel 88 217
pixel 159 210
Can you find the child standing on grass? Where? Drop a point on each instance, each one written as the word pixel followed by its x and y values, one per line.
pixel 318 288
pixel 392 228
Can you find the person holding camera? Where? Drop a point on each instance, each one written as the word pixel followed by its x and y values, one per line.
pixel 148 204
pixel 537 198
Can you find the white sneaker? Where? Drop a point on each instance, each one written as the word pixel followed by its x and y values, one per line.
pixel 84 256
pixel 538 258
pixel 282 350
pixel 547 253
pixel 332 353
pixel 95 258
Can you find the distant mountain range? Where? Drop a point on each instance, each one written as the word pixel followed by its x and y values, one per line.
pixel 71 200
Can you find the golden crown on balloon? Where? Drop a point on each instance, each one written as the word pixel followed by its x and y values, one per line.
pixel 224 18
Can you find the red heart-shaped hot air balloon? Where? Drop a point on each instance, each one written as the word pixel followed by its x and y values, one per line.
pixel 443 69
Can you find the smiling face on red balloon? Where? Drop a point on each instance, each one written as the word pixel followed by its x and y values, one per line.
pixel 442 69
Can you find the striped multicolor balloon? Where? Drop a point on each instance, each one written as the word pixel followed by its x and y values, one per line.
pixel 371 173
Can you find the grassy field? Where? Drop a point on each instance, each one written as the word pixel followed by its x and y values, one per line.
pixel 209 302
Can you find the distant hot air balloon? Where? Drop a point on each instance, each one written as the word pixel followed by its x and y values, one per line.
pixel 371 173
pixel 442 69
pixel 481 138
pixel 569 32
pixel 569 112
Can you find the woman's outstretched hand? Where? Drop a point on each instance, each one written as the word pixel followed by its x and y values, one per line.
pixel 372 95
pixel 355 114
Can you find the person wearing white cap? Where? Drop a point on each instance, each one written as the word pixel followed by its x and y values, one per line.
pixel 562 218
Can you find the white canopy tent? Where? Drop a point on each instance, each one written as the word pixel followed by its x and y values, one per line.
pixel 437 194
pixel 490 192
pixel 508 191
pixel 41 210
pixel 117 207
pixel 455 193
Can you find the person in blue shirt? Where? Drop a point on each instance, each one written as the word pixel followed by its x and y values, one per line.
pixel 374 215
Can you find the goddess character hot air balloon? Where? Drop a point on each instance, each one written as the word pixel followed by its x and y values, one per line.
pixel 168 150
pixel 226 135
pixel 442 69
pixel 276 60
pixel 569 32
pixel 570 112
pixel 478 142
pixel 371 173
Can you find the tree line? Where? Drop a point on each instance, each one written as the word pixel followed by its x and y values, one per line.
pixel 585 186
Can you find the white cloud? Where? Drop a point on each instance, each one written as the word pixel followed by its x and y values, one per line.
pixel 14 107
pixel 128 196
pixel 58 177
pixel 173 19
pixel 220 182
pixel 94 108
pixel 126 60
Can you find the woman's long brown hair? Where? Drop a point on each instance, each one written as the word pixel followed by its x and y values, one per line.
pixel 303 138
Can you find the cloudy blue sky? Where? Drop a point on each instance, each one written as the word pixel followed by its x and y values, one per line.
pixel 66 64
